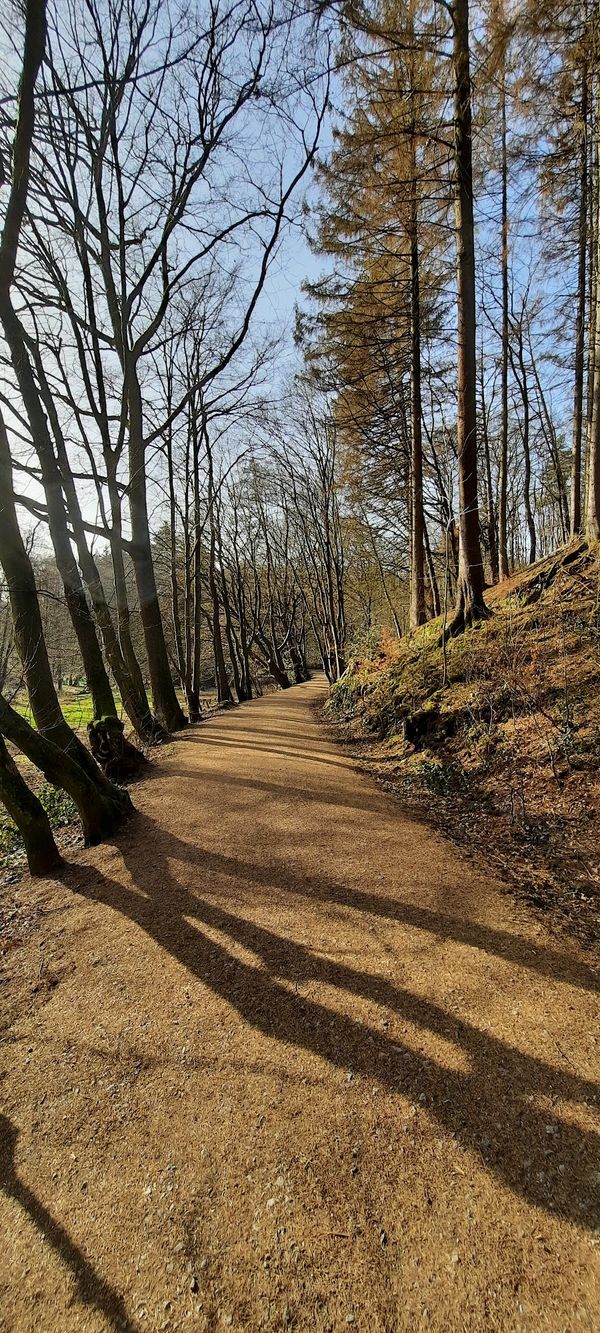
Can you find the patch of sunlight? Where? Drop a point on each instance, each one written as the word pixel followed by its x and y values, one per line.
pixel 242 953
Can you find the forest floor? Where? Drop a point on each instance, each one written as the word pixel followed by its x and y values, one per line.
pixel 498 746
pixel 282 1059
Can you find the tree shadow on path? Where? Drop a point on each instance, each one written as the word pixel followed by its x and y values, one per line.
pixel 538 958
pixel 490 1109
pixel 91 1288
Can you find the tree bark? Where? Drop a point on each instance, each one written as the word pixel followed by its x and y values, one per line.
pixel 75 598
pixel 521 378
pixel 165 701
pixel 577 444
pixel 133 694
pixel 224 694
pixel 417 563
pixel 27 812
pixel 492 534
pixel 503 478
pixel 100 812
pixel 436 604
pixel 196 621
pixel 592 518
pixel 31 645
pixel 470 602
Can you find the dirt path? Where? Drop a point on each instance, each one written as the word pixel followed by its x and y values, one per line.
pixel 285 1063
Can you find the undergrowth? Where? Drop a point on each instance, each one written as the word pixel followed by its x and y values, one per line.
pixel 61 811
pixel 506 728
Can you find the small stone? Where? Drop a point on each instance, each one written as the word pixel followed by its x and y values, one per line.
pixel 383 1240
pixel 194 1284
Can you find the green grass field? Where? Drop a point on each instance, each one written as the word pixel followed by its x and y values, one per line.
pixel 76 705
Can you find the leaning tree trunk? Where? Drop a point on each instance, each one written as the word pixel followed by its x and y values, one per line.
pixel 165 701
pixel 100 811
pixel 27 812
pixel 30 642
pixel 33 51
pixel 131 689
pixel 75 598
pixel 470 603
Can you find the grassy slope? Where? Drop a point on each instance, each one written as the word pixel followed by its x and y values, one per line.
pixel 505 757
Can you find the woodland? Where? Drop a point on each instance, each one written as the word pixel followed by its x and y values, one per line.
pixel 299 666
pixel 196 506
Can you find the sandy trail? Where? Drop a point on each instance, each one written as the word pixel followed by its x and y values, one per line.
pixel 281 1060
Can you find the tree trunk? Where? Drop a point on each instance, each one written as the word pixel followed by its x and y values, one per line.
pixel 77 606
pixel 470 603
pixel 33 51
pixel 577 445
pixel 27 812
pixel 166 703
pixel 224 695
pixel 196 624
pixel 235 652
pixel 593 192
pixel 436 604
pixel 521 378
pixel 417 562
pixel 492 534
pixel 101 812
pixel 30 642
pixel 503 478
pixel 277 670
pixel 131 688
pixel 178 629
pixel 592 518
pixel 133 695
pixel 418 523
pixel 120 585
